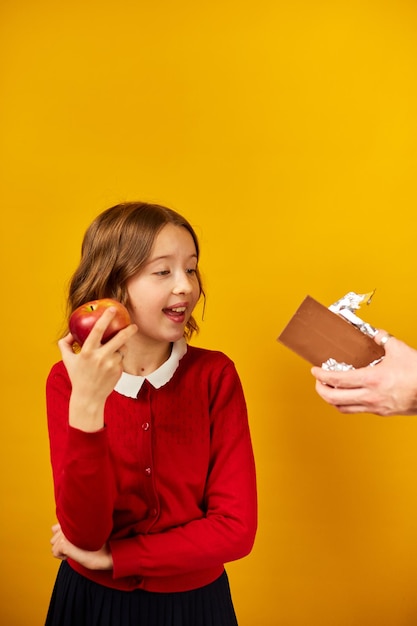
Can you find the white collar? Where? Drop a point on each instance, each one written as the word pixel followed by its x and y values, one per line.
pixel 130 385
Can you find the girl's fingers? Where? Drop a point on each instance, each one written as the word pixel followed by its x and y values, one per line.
pixel 95 337
pixel 120 339
pixel 99 328
pixel 56 534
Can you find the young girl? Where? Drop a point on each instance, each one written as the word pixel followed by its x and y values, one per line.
pixel 151 453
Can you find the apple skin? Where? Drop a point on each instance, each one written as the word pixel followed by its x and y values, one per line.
pixel 85 316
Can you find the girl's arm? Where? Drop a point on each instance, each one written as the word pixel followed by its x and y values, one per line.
pixel 76 393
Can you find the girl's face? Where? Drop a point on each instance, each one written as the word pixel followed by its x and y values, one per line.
pixel 164 293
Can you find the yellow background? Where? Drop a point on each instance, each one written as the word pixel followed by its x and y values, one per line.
pixel 286 132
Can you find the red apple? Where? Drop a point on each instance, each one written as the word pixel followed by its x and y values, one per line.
pixel 83 319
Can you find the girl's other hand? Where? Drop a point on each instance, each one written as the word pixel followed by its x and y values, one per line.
pixel 63 549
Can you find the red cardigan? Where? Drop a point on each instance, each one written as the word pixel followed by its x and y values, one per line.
pixel 169 482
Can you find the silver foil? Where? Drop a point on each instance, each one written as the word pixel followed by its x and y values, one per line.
pixel 350 303
pixel 333 365
pixel 346 307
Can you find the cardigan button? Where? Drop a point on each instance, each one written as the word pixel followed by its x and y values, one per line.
pixel 148 471
pixel 145 426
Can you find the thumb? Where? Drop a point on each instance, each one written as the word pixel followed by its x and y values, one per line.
pixel 66 344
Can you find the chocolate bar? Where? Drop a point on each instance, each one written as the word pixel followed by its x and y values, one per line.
pixel 317 334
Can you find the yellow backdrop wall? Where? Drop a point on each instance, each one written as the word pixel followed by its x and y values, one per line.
pixel 286 132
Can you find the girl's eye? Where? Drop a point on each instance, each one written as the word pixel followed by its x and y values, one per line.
pixel 190 271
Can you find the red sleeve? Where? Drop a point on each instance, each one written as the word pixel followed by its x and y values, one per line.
pixel 83 480
pixel 227 531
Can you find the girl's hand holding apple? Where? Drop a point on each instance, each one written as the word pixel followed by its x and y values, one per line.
pixel 84 318
pixel 94 371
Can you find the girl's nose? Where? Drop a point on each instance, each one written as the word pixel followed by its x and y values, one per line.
pixel 183 285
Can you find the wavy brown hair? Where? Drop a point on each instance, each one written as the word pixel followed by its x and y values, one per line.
pixel 116 246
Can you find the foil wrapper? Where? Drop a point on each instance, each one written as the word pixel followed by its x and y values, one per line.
pixel 350 303
pixel 332 364
pixel 346 307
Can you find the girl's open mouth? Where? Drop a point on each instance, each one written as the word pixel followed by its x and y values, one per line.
pixel 176 313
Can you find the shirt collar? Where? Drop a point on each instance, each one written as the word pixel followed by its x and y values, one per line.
pixel 130 385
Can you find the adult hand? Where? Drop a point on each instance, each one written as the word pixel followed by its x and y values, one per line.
pixel 388 388
pixel 63 549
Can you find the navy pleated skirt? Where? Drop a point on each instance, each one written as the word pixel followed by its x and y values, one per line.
pixel 77 601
